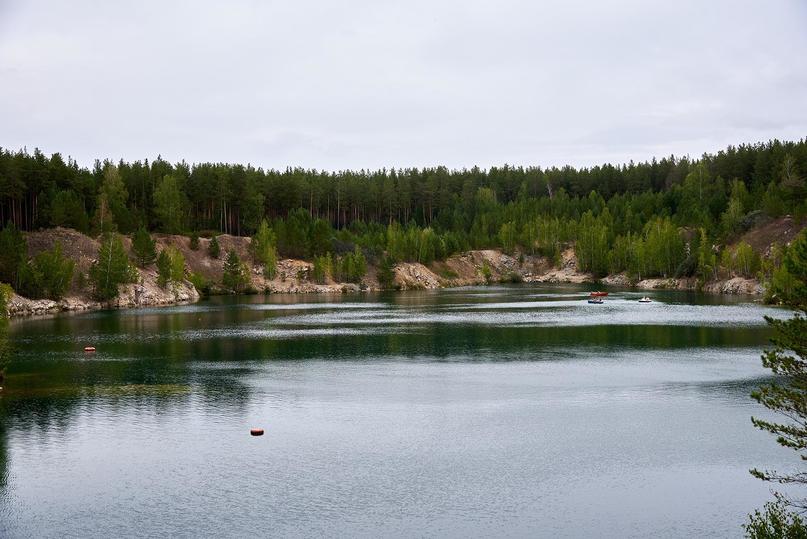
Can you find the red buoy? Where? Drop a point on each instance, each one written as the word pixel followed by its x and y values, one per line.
pixel 256 432
pixel 89 349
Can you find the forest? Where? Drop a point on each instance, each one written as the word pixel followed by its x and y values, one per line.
pixel 667 217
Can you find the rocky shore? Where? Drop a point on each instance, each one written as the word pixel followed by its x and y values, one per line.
pixel 294 276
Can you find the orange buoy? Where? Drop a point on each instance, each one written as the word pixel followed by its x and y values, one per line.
pixel 89 349
pixel 256 432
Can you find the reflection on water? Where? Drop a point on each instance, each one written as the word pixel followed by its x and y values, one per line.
pixel 455 412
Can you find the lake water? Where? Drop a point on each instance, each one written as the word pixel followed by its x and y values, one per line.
pixel 476 412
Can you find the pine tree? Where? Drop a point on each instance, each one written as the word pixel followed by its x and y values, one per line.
pixel 170 266
pixel 386 272
pixel 144 248
pixel 787 395
pixel 112 213
pixel 235 276
pixel 789 282
pixel 170 204
pixel 193 242
pixel 213 249
pixel 111 269
pixel 13 252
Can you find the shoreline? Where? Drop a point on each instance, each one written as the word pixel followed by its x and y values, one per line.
pixel 21 308
pixel 469 268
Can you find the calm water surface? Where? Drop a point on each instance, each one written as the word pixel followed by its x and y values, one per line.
pixel 501 411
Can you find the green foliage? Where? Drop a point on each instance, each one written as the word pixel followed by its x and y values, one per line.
pixel 111 269
pixel 5 296
pixel 144 248
pixel 262 249
pixel 789 282
pixel 487 273
pixel 236 274
pixel 508 236
pixel 170 205
pixel 707 258
pixel 213 248
pixel 112 212
pixel 193 241
pixel 351 267
pixel 320 237
pixel 67 210
pixel 635 218
pixel 323 268
pixel 776 522
pixel 170 266
pixel 386 272
pixel 13 252
pixel 592 245
pixel 513 277
pixel 787 395
pixel 200 282
pixel 47 275
pixel 5 347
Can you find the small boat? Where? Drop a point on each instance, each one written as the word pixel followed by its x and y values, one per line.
pixel 596 301
pixel 89 349
pixel 599 294
pixel 645 300
pixel 256 432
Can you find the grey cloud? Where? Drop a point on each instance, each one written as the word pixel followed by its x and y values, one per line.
pixel 363 84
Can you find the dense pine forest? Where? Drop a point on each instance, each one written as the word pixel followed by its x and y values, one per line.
pixel 666 217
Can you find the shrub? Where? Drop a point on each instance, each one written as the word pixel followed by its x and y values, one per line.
pixel 5 296
pixel 200 282
pixel 48 275
pixel 487 273
pixel 213 248
pixel 323 268
pixel 351 267
pixel 194 242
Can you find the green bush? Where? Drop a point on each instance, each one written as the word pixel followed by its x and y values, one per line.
pixel 351 267
pixel 200 282
pixel 213 249
pixel 5 296
pixel 194 242
pixel 487 273
pixel 323 268
pixel 48 275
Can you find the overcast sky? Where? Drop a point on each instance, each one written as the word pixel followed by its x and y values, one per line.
pixel 370 84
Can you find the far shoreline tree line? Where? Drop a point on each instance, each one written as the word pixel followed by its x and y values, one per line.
pixel 667 218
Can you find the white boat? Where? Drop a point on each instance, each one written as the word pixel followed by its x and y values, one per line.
pixel 645 300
